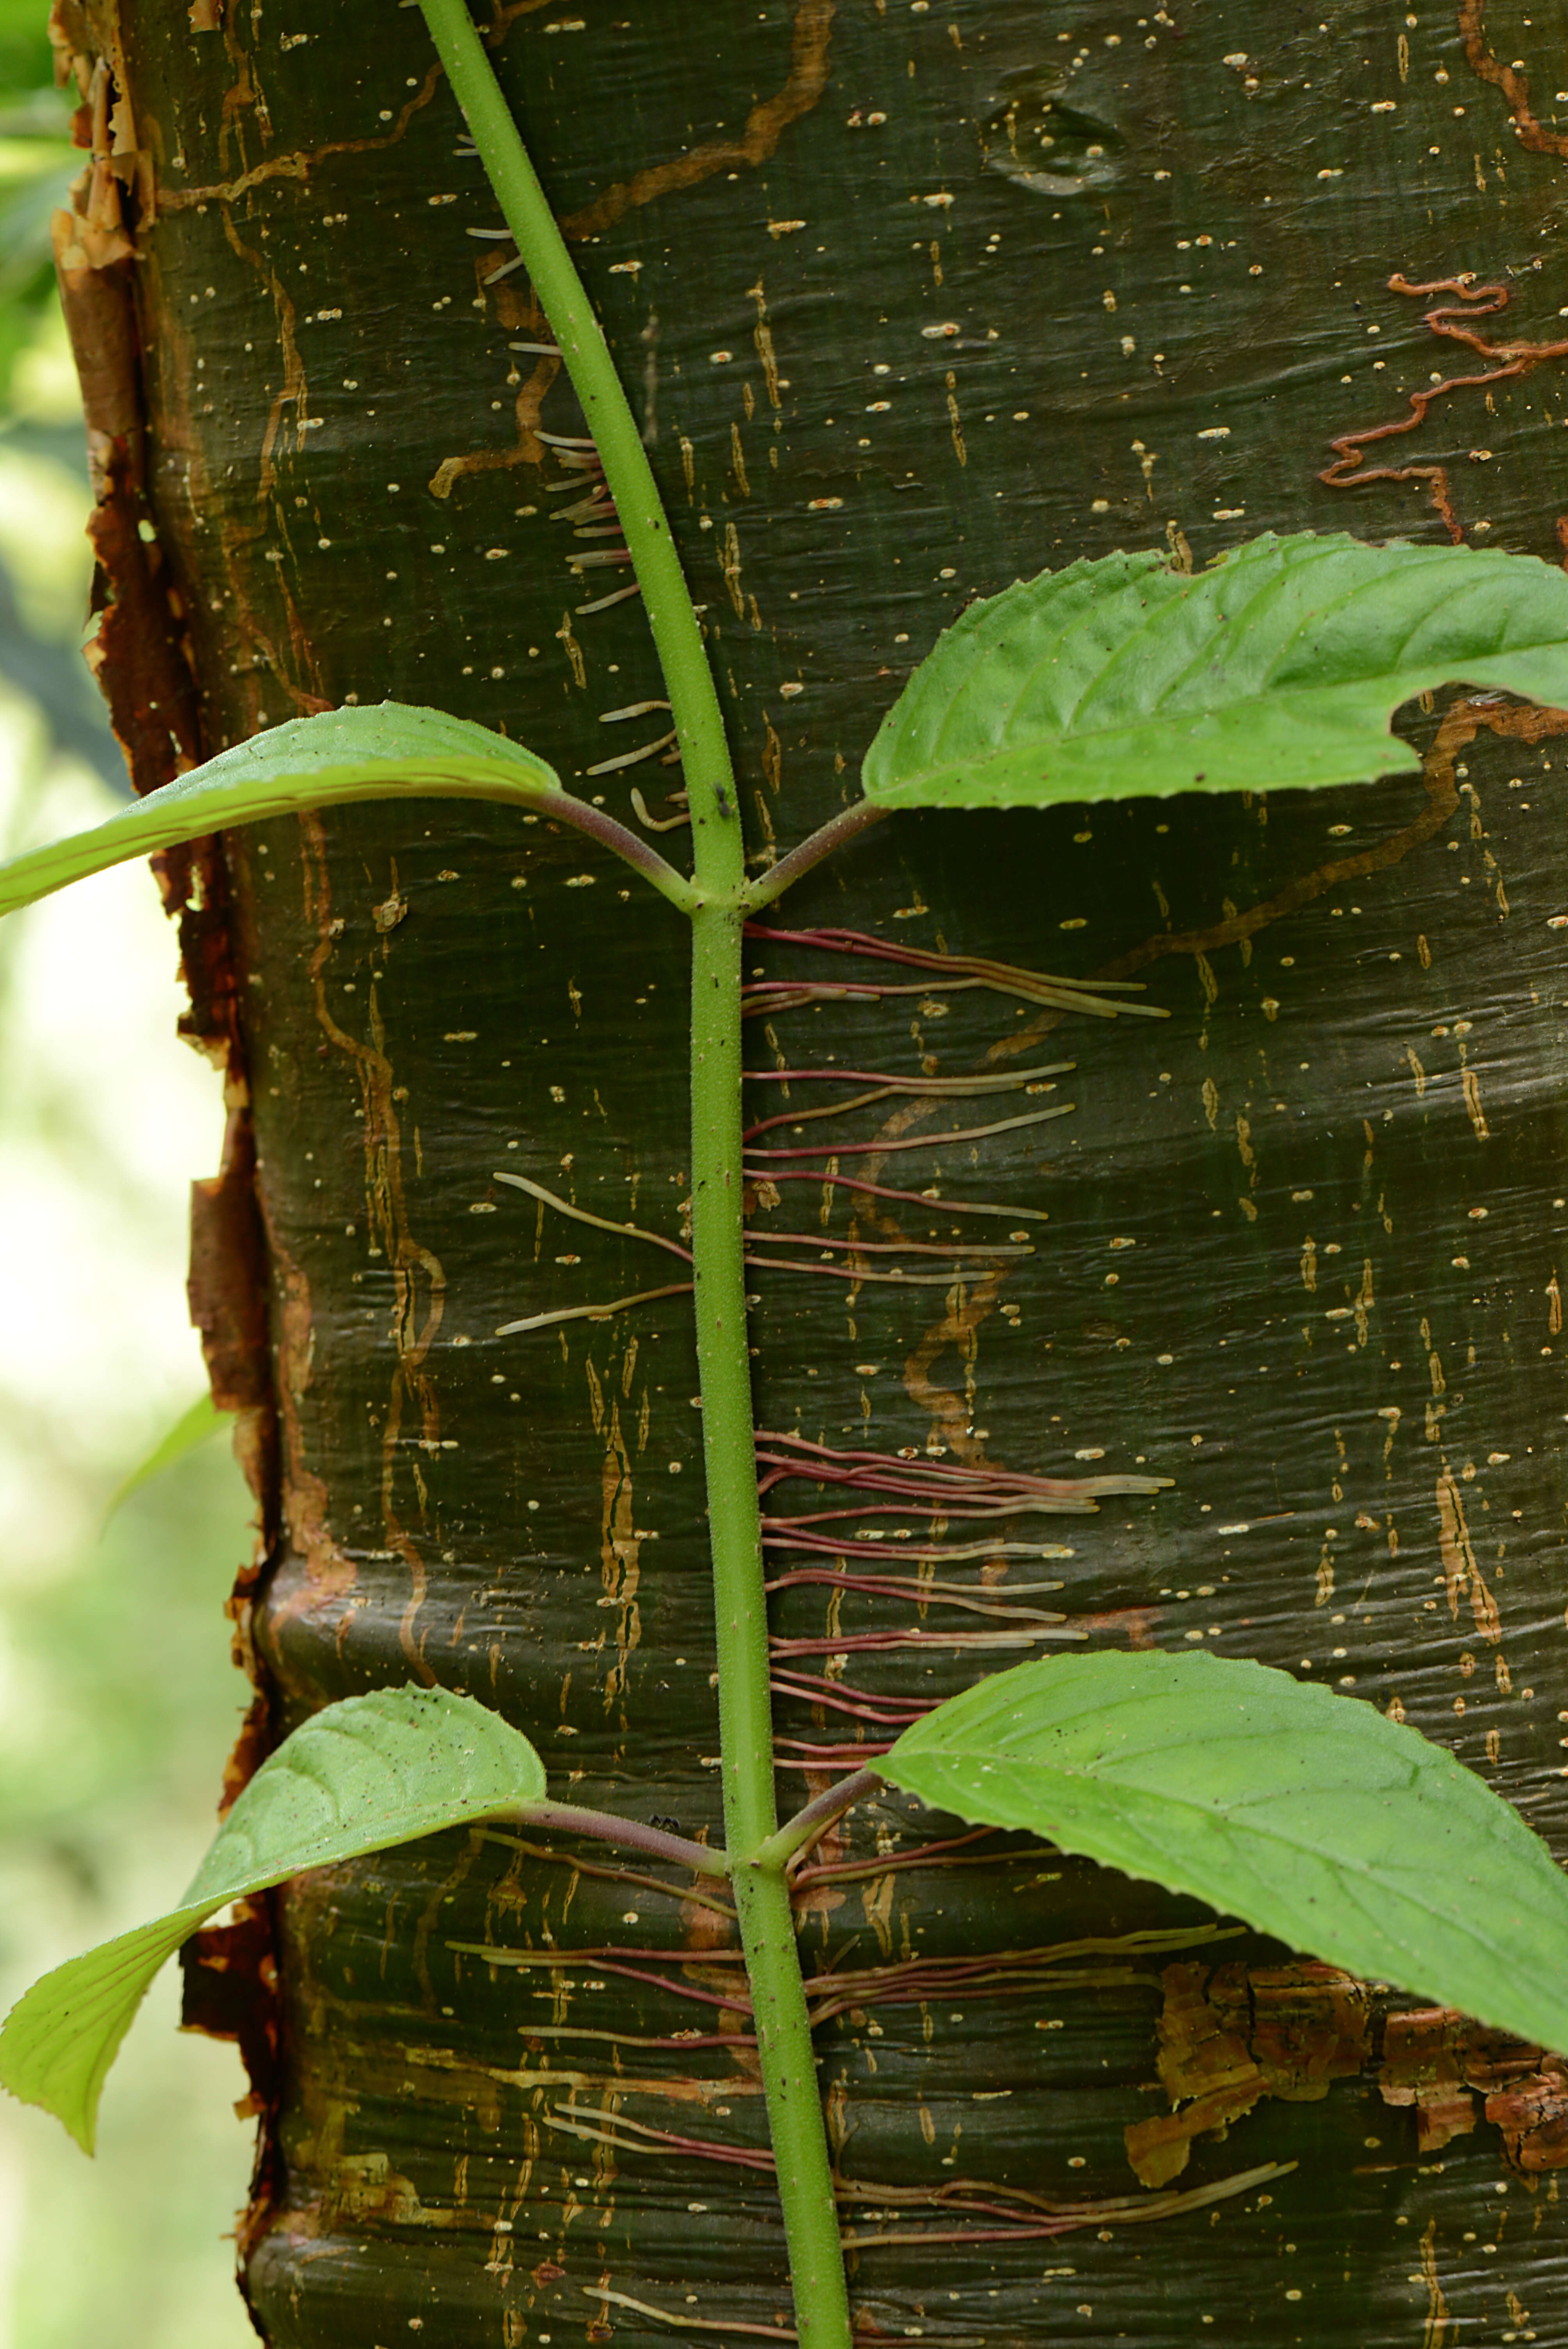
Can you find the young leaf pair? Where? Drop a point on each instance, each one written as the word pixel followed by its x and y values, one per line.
pixel 1313 1817
pixel 1278 669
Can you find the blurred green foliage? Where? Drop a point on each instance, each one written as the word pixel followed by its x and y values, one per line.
pixel 117 1699
pixel 36 164
pixel 39 653
pixel 27 60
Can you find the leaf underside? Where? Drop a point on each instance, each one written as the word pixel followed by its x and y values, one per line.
pixel 1280 668
pixel 1311 1816
pixel 359 1775
pixel 385 752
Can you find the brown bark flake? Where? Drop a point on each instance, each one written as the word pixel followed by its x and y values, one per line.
pixel 1230 2038
pixel 226 1282
pixel 139 653
pixel 229 1990
pixel 1533 2114
pixel 1434 2058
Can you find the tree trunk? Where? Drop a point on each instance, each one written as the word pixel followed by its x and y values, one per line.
pixel 914 300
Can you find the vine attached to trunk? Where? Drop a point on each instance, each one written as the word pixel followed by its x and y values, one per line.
pixel 1311 1816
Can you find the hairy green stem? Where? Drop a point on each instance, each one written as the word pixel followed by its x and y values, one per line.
pixel 631 1835
pixel 812 851
pixel 745 1732
pixel 797 1835
pixel 622 842
pixel 740 1603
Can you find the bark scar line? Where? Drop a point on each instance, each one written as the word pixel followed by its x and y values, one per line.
pixel 1460 724
pixel 527 448
pixel 299 165
pixel 1350 470
pixel 387 1213
pixel 1514 85
pixel 765 126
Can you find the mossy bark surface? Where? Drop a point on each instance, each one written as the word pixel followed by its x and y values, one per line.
pixel 911 302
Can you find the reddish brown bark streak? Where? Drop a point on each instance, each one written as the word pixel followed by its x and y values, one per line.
pixel 142 663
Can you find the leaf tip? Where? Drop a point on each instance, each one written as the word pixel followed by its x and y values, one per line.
pixel 21 2076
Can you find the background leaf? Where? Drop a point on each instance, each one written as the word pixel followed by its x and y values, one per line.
pixel 1121 679
pixel 1313 1816
pixel 390 750
pixel 369 1772
pixel 194 1427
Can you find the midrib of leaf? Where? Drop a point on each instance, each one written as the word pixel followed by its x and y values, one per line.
pixel 1355 1873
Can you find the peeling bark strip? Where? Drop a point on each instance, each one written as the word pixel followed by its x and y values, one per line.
pixel 499 2100
pixel 227 1293
pixel 1433 2059
pixel 140 656
pixel 226 1290
pixel 138 653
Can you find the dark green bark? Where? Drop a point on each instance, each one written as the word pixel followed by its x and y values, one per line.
pixel 914 300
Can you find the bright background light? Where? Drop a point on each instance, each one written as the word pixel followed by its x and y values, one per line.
pixel 117 1700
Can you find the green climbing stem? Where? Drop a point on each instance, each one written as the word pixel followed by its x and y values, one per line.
pixel 740 1605
pixel 719 856
pixel 694 704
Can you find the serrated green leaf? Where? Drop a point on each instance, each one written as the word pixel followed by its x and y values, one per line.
pixel 1281 668
pixel 389 750
pixel 1311 1816
pixel 359 1775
